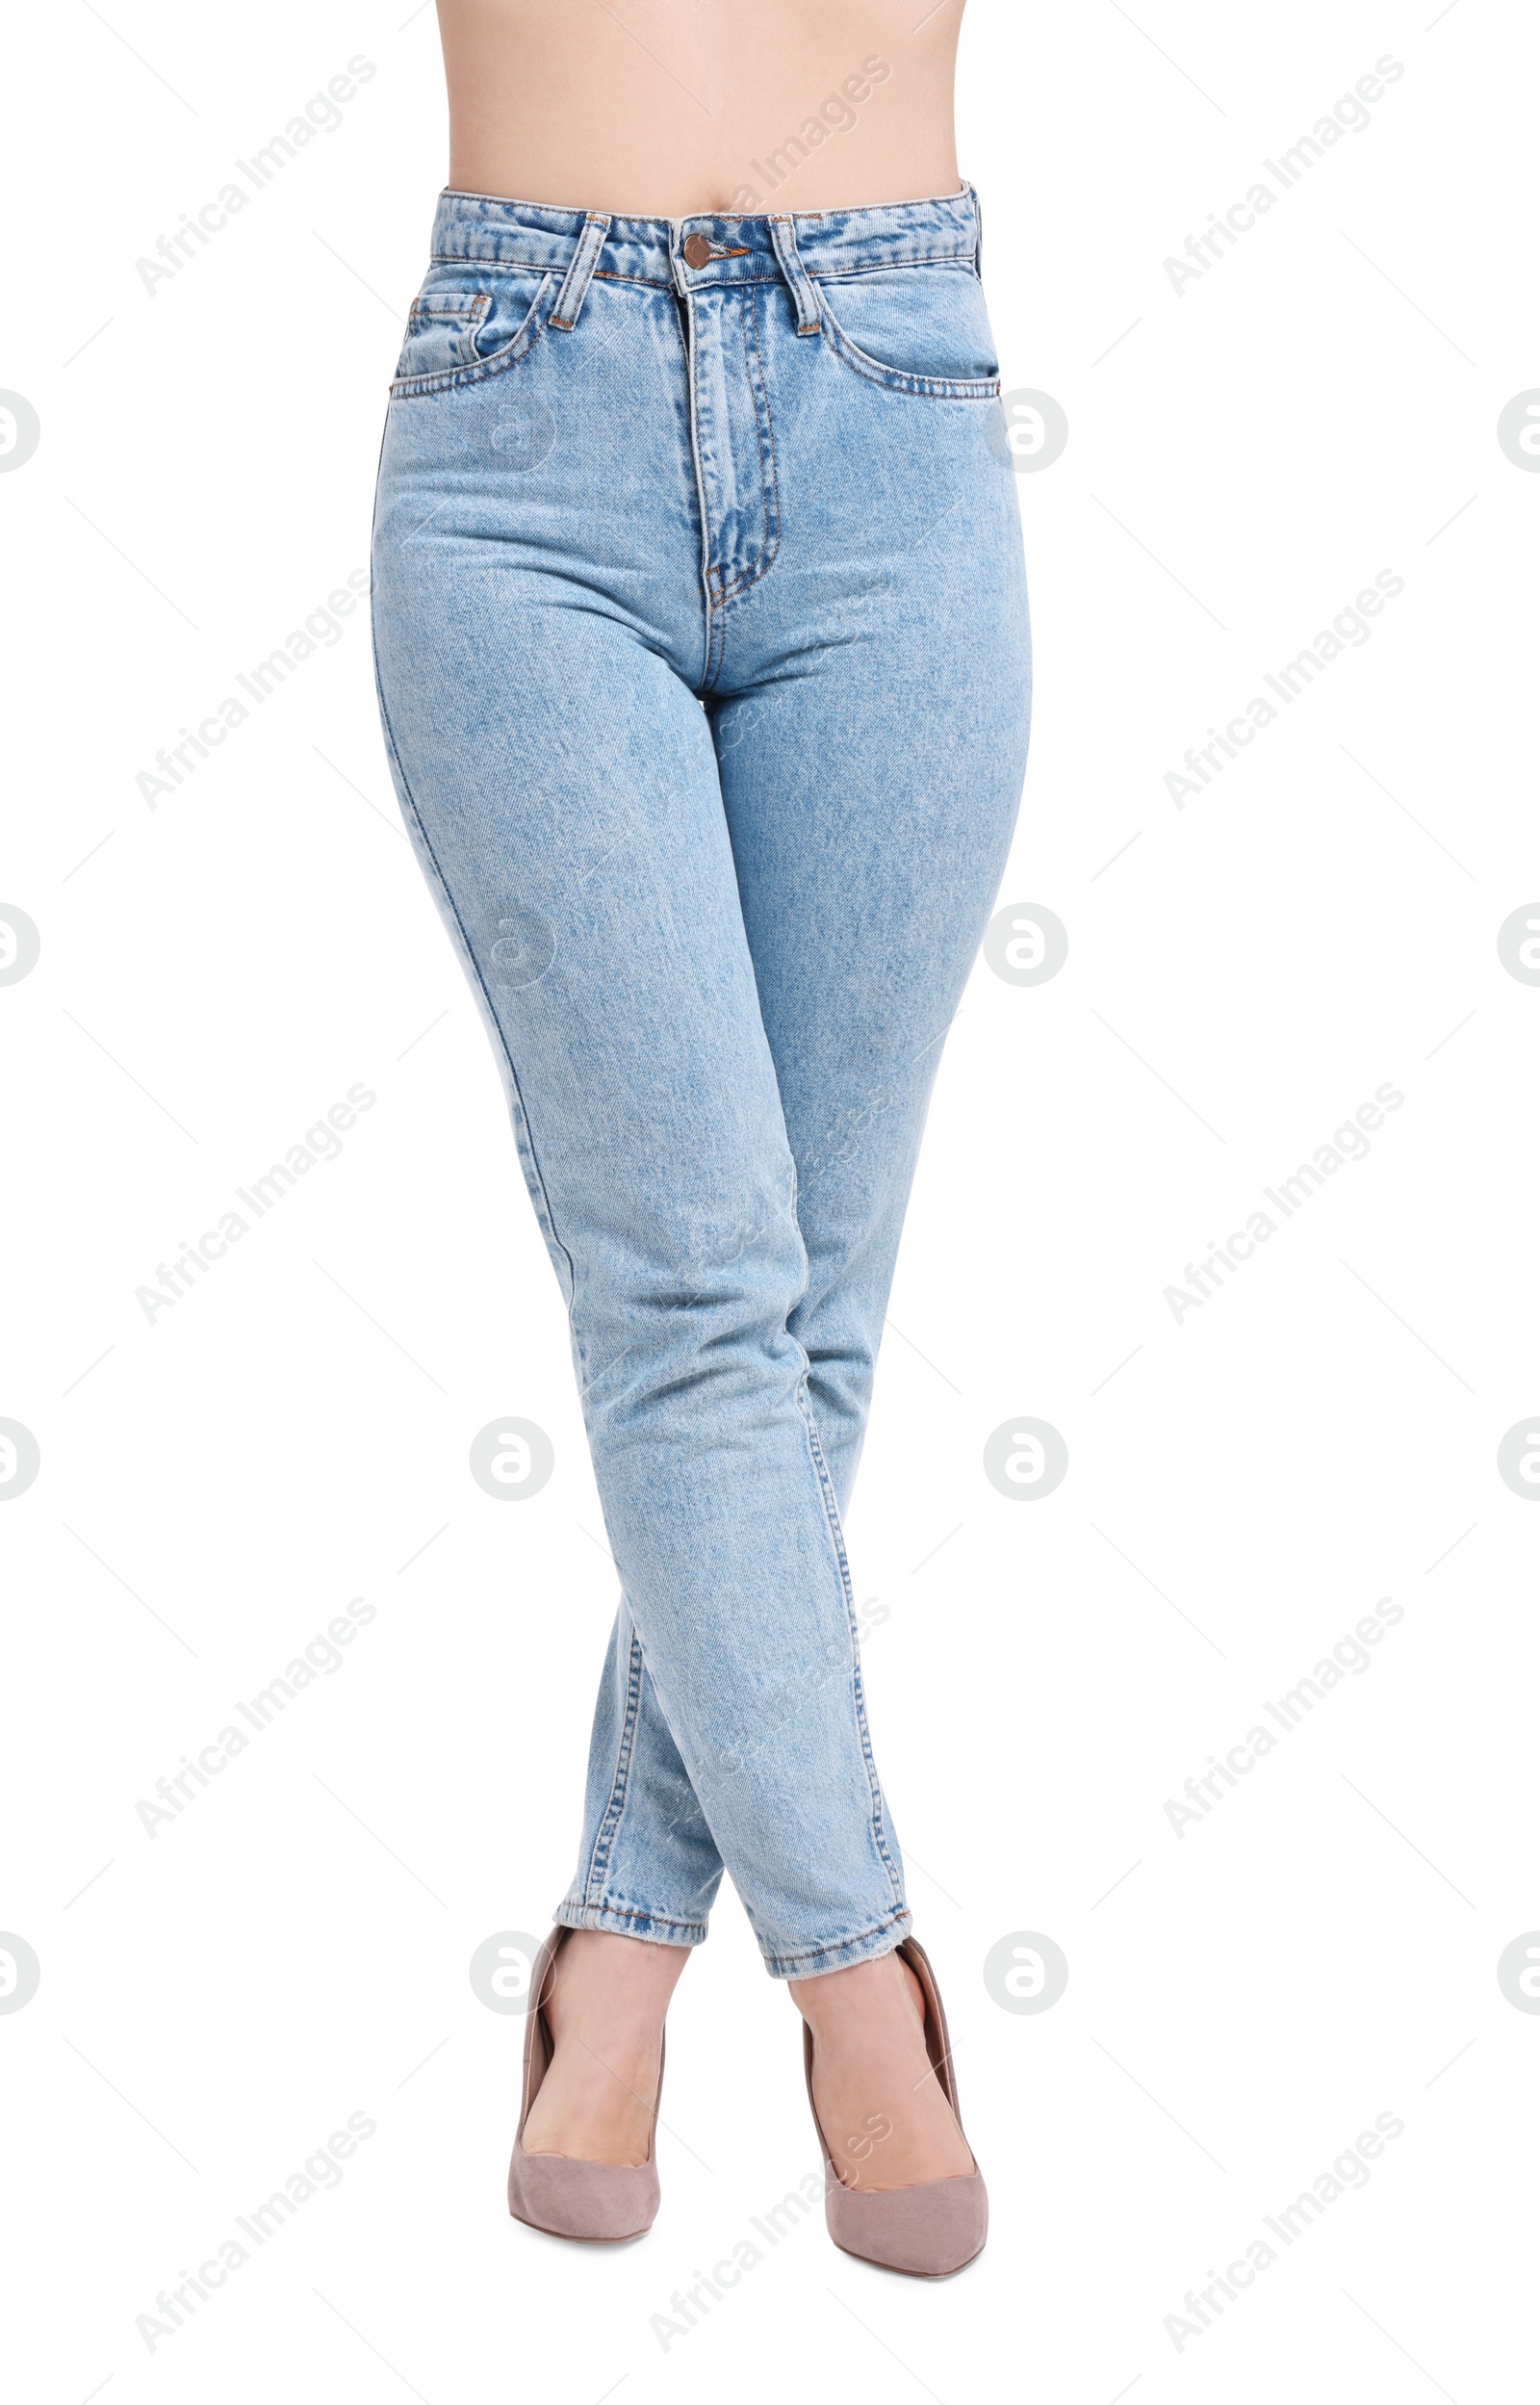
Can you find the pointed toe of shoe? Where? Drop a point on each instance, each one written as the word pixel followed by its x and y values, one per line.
pixel 930 2231
pixel 582 2199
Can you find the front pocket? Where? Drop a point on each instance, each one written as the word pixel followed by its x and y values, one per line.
pixel 458 331
pixel 441 332
pixel 919 330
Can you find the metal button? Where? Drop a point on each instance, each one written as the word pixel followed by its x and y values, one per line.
pixel 697 250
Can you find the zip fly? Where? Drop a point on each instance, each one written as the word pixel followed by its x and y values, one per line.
pixel 730 434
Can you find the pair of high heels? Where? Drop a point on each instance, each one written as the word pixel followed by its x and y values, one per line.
pixel 928 2230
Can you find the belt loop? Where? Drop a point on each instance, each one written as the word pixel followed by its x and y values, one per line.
pixel 783 235
pixel 978 234
pixel 579 272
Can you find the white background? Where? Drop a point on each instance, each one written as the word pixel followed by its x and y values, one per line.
pixel 1243 1485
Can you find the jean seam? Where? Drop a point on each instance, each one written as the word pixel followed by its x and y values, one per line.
pixel 564 325
pixel 770 494
pixel 900 379
pixel 897 380
pixel 710 665
pixel 527 1146
pixel 857 1697
pixel 879 267
pixel 624 1910
pixel 450 380
pixel 471 307
pixel 542 267
pixel 620 1787
pixel 636 217
pixel 721 283
pixel 840 1945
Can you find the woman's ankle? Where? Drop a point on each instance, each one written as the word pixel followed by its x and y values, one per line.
pixel 611 1993
pixel 842 2001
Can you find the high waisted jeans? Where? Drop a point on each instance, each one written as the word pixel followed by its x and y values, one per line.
pixel 701 632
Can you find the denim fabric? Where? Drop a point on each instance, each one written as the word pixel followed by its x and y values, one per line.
pixel 701 632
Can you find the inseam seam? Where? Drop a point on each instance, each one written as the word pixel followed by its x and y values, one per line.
pixel 620 1786
pixel 858 1698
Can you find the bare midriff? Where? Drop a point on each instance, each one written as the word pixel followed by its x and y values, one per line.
pixel 674 108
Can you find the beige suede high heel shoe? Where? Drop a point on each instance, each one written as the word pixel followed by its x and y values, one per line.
pixel 558 2193
pixel 934 2228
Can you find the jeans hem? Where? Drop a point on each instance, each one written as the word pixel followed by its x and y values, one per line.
pixel 842 1952
pixel 630 1920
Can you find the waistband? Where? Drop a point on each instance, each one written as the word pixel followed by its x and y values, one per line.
pixel 711 247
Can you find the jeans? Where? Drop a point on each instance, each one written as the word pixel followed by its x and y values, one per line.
pixel 701 636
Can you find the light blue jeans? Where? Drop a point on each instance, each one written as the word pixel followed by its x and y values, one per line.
pixel 701 632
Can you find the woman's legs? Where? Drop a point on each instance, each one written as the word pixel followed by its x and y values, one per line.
pixel 871 800
pixel 601 919
pixel 718 952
